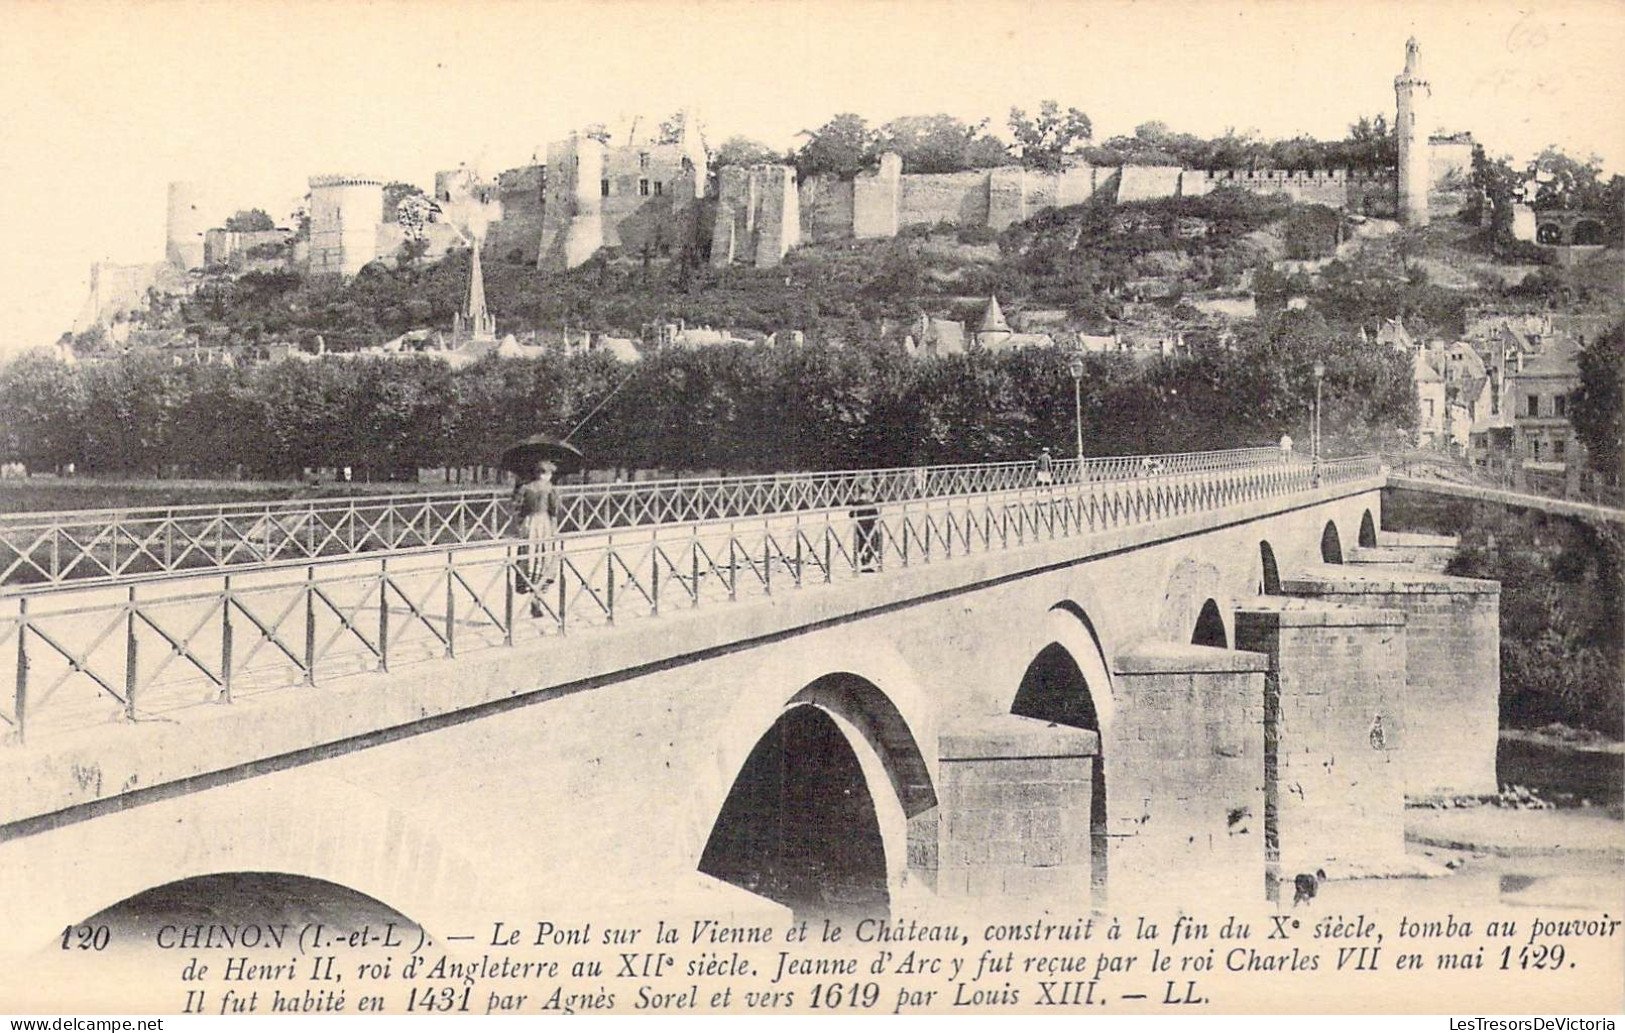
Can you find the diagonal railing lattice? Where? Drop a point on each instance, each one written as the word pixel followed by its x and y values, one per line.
pixel 88 652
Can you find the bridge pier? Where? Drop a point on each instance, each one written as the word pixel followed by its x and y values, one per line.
pixel 1452 666
pixel 1014 817
pixel 1188 759
pixel 1334 735
pixel 1431 552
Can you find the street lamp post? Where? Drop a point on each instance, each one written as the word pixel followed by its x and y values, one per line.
pixel 1320 374
pixel 1075 367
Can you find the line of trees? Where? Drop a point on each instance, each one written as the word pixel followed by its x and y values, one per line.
pixel 738 409
pixel 847 144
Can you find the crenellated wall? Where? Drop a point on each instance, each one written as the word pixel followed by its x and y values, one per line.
pixel 881 202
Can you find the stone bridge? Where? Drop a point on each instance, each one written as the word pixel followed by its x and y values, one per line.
pixel 1192 682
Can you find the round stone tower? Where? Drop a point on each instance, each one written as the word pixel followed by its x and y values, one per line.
pixel 1412 129
pixel 345 212
pixel 189 219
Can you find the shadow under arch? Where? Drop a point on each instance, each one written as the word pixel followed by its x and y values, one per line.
pixel 1331 546
pixel 248 910
pixel 1210 627
pixel 1069 683
pixel 1588 232
pixel 1368 531
pixel 1270 580
pixel 820 814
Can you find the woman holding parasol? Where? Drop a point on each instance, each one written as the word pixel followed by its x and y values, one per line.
pixel 535 461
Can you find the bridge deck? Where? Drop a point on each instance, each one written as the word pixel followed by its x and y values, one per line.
pixel 1521 500
pixel 94 652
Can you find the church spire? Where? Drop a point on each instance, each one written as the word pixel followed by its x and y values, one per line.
pixel 475 320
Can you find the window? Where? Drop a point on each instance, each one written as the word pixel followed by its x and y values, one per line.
pixel 658 186
pixel 1559 446
pixel 603 187
pixel 643 161
pixel 1535 445
pixel 1561 402
pixel 1534 405
pixel 1430 408
pixel 643 187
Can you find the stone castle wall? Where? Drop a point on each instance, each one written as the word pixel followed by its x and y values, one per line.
pixel 521 192
pixel 826 208
pixel 880 203
pixel 758 218
pixel 956 197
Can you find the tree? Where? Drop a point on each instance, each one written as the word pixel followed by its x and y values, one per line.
pixel 394 194
pixel 1596 405
pixel 1044 141
pixel 843 146
pixel 742 150
pixel 941 143
pixel 250 220
pixel 1370 145
pixel 1496 184
pixel 414 213
pixel 412 250
pixel 1564 182
pixel 42 404
pixel 300 218
pixel 671 130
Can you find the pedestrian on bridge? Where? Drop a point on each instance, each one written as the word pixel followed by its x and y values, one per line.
pixel 537 508
pixel 866 550
pixel 536 504
pixel 1286 448
pixel 1046 469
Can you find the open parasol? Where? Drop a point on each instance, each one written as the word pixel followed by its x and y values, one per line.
pixel 522 456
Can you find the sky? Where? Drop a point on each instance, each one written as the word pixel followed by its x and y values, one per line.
pixel 103 103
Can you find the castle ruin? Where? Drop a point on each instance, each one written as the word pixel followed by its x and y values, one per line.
pixel 649 198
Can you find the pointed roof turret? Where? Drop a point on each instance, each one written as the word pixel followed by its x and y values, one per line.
pixel 993 317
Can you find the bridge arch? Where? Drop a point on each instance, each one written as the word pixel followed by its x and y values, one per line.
pixel 1269 580
pixel 340 835
pixel 801 825
pixel 1210 627
pixel 1368 531
pixel 257 907
pixel 1587 231
pixel 1331 545
pixel 1069 682
pixel 1190 583
pixel 836 751
pixel 1549 233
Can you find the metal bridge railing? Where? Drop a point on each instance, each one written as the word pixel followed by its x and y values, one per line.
pixel 85 654
pixel 117 544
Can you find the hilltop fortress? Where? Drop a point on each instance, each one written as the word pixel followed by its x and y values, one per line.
pixel 657 198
